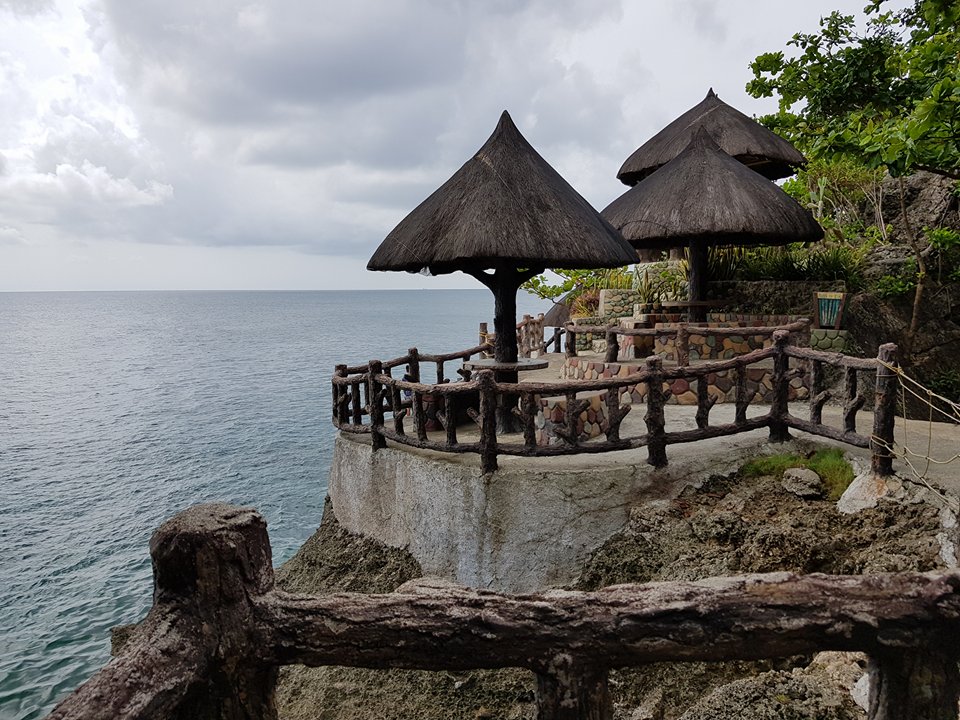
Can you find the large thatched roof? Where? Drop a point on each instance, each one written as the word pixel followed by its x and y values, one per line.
pixel 736 134
pixel 705 194
pixel 505 208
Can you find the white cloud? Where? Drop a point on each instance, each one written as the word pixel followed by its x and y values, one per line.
pixel 244 130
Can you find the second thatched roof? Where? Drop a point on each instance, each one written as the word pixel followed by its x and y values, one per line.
pixel 506 207
pixel 704 194
pixel 736 134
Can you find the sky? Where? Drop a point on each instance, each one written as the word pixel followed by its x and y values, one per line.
pixel 211 144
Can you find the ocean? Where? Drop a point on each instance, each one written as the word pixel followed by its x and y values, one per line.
pixel 119 409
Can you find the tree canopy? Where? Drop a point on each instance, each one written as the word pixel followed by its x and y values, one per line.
pixel 887 95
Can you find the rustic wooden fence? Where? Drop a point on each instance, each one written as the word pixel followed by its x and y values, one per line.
pixel 530 337
pixel 218 631
pixel 363 397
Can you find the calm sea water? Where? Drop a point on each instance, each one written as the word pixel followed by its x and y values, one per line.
pixel 119 409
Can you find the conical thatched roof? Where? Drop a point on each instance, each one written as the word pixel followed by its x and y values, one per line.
pixel 505 208
pixel 737 135
pixel 559 314
pixel 704 194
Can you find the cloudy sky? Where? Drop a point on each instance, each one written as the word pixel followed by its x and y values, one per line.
pixel 211 144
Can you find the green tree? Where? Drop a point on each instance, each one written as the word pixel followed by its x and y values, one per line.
pixel 887 97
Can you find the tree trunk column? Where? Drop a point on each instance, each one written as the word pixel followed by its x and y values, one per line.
pixel 697 280
pixel 505 287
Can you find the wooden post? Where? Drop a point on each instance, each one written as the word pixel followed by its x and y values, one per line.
pixel 528 412
pixel 416 399
pixel 682 343
pixel 340 413
pixel 525 336
pixel 488 421
pixel 375 367
pixel 697 280
pixel 656 447
pixel 210 562
pixel 913 684
pixel 450 418
pixel 741 401
pixel 571 342
pixel 705 402
pixel 884 411
pixel 396 403
pixel 779 408
pixel 357 405
pixel 612 349
pixel 573 691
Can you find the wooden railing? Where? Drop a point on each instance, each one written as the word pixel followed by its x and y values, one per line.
pixel 530 337
pixel 680 332
pixel 364 392
pixel 218 631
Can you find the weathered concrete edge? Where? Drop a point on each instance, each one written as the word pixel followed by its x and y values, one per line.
pixel 529 526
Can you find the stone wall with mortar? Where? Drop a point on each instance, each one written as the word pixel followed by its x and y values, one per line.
pixel 829 340
pixel 684 392
pixel 618 302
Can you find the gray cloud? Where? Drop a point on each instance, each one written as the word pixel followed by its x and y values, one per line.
pixel 27 7
pixel 316 126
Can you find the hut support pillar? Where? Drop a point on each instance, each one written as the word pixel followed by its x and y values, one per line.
pixel 697 280
pixel 504 284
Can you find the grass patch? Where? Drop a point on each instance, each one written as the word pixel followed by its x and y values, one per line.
pixel 833 469
pixel 829 464
pixel 771 465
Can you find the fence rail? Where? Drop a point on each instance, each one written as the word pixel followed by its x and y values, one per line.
pixel 363 396
pixel 211 645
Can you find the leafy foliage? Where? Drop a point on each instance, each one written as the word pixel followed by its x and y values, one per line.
pixel 576 282
pixel 888 96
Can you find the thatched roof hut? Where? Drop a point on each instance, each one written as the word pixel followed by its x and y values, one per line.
pixel 505 208
pixel 737 135
pixel 705 194
pixel 508 211
pixel 704 197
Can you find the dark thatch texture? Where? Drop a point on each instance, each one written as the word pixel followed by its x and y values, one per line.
pixel 559 314
pixel 505 208
pixel 704 194
pixel 736 134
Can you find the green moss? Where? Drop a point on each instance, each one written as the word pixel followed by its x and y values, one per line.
pixel 772 465
pixel 830 464
pixel 833 469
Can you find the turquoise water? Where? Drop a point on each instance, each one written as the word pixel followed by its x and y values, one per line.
pixel 119 409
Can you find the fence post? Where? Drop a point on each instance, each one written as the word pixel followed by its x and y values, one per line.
pixel 340 415
pixel 918 684
pixel 484 338
pixel 488 421
pixel 375 367
pixel 416 399
pixel 571 341
pixel 209 561
pixel 779 408
pixel 656 446
pixel 612 348
pixel 683 345
pixel 884 411
pixel 573 691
